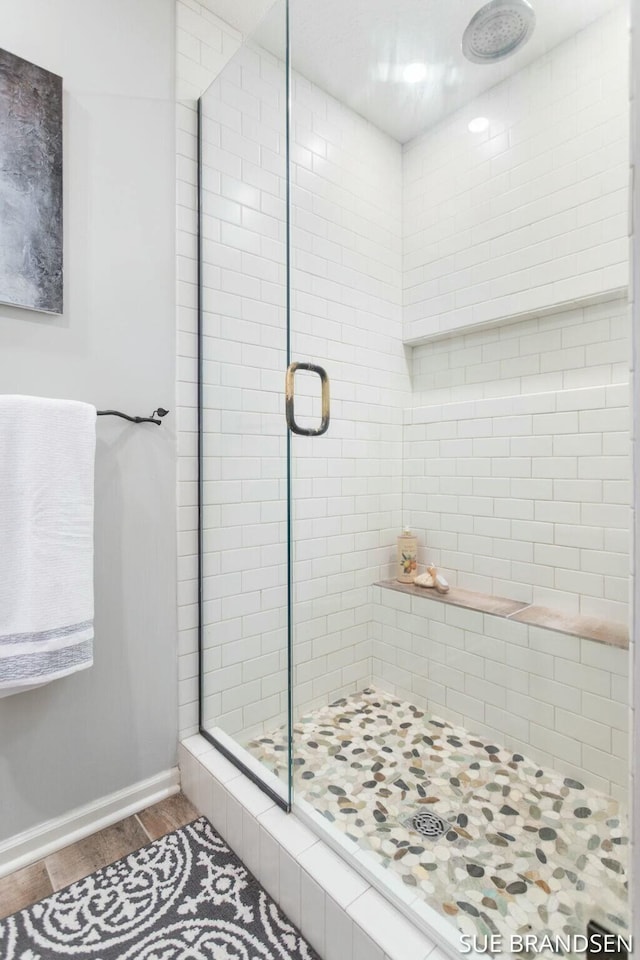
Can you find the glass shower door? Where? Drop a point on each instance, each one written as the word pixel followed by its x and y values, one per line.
pixel 244 629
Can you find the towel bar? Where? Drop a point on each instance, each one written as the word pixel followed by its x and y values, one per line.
pixel 160 412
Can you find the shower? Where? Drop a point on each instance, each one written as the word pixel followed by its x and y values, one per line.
pixel 466 751
pixel 498 30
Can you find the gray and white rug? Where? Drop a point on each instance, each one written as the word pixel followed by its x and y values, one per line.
pixel 183 897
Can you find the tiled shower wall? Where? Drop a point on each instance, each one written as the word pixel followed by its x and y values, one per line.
pixel 560 699
pixel 518 459
pixel 531 213
pixel 244 446
pixel 346 315
pixel 204 44
pixel 347 269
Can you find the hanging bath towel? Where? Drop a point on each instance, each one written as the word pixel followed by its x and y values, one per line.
pixel 47 456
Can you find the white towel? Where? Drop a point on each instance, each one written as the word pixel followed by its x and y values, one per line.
pixel 47 457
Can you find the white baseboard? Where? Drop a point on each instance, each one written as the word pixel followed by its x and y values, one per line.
pixel 52 835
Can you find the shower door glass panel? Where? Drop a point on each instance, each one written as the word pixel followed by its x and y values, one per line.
pixel 470 752
pixel 243 174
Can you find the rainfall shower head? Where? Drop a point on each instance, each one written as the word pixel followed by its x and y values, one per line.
pixel 497 30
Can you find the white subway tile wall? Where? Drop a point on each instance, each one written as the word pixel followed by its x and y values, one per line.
pixel 520 485
pixel 244 353
pixel 347 316
pixel 532 212
pixel 204 44
pixel 559 699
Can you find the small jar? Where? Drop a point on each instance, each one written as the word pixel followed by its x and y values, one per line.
pixel 407 556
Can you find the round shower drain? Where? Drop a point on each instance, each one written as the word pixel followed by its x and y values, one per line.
pixel 428 824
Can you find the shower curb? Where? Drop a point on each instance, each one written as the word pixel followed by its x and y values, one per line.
pixel 336 909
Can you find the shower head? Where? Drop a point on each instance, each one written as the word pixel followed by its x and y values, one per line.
pixel 497 30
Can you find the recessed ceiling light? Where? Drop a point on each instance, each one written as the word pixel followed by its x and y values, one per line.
pixel 414 72
pixel 478 125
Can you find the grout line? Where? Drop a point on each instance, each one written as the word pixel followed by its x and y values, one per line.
pixel 144 829
pixel 49 877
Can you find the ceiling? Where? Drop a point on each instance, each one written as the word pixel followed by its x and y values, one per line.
pixel 244 15
pixel 356 50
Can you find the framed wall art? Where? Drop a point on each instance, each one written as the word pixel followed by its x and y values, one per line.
pixel 31 249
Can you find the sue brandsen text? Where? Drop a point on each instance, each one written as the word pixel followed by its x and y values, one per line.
pixel 531 943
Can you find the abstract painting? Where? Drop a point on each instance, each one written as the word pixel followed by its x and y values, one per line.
pixel 30 185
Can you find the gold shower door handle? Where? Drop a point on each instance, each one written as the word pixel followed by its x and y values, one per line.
pixel 290 399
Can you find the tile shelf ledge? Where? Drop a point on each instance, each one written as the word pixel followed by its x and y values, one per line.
pixel 576 625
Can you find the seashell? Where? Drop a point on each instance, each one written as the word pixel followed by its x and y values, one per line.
pixel 424 580
pixel 439 582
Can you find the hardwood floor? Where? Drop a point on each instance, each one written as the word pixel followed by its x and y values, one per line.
pixel 86 856
pixel 25 887
pixel 164 817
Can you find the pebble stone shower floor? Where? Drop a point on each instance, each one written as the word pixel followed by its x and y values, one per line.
pixel 525 849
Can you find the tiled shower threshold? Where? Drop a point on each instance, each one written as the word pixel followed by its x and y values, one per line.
pixel 573 624
pixel 523 849
pixel 335 907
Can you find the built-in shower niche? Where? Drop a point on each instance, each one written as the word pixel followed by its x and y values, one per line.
pixel 517 456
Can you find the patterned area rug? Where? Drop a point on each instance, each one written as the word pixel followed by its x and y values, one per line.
pixel 503 846
pixel 183 897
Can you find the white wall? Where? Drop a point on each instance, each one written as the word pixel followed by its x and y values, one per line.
pixel 532 213
pixel 517 459
pixel 104 729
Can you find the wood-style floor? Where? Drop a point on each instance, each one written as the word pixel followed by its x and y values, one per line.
pixel 25 887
